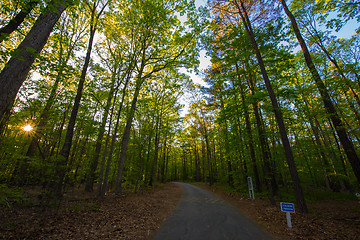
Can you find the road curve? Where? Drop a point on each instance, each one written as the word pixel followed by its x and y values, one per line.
pixel 200 215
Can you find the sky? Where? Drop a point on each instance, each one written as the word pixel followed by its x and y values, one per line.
pixel 204 60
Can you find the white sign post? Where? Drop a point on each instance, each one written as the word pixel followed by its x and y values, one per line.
pixel 251 188
pixel 288 208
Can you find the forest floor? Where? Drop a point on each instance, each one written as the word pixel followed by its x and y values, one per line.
pixel 81 216
pixel 329 219
pixel 139 216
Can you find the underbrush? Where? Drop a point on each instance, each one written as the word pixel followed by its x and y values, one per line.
pixel 10 196
pixel 288 195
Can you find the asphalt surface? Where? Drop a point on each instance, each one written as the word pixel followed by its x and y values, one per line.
pixel 200 215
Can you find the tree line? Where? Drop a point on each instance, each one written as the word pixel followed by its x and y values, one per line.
pixel 282 115
pixel 97 83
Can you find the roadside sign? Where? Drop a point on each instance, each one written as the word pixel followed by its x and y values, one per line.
pixel 251 188
pixel 287 207
pixel 250 184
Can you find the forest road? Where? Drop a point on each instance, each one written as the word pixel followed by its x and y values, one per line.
pixel 200 215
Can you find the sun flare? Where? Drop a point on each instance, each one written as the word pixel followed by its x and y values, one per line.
pixel 27 128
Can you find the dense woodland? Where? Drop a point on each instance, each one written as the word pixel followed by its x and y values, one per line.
pixel 96 93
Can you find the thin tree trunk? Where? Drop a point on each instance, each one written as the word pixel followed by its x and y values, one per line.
pixel 251 139
pixel 126 136
pixel 156 154
pixel 43 118
pixel 197 165
pixel 94 162
pixel 277 111
pixel 113 141
pixel 329 106
pixel 167 164
pixel 64 153
pixel 17 68
pixel 332 59
pixel 63 60
pixel 164 165
pixel 102 184
pixel 17 20
pixel 264 145
pixel 227 148
pixel 208 156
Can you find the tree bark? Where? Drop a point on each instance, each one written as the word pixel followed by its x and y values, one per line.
pixel 264 145
pixel 227 147
pixel 14 73
pixel 156 154
pixel 277 111
pixel 65 151
pixel 102 184
pixel 94 162
pixel 17 20
pixel 251 139
pixel 126 136
pixel 112 147
pixel 329 106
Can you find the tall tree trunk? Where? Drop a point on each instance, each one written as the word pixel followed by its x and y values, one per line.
pixel 251 139
pixel 156 154
pixel 228 159
pixel 113 141
pixel 227 148
pixel 4 121
pixel 59 131
pixel 15 71
pixel 65 151
pixel 197 165
pixel 329 106
pixel 126 136
pixel 78 163
pixel 167 164
pixel 277 111
pixel 203 153
pixel 164 161
pixel 102 184
pixel 270 176
pixel 208 156
pixel 184 172
pixel 17 20
pixel 332 59
pixel 62 61
pixel 94 162
pixel 319 145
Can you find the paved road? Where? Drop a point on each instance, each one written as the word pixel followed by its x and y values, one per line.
pixel 200 215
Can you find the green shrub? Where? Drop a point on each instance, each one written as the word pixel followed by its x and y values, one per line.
pixel 93 206
pixel 10 196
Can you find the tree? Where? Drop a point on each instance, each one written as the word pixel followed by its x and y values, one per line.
pixel 66 44
pixel 242 12
pixel 17 68
pixel 346 10
pixel 329 106
pixel 15 22
pixel 157 52
pixel 56 186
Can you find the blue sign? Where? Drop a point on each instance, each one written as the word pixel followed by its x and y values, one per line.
pixel 287 207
